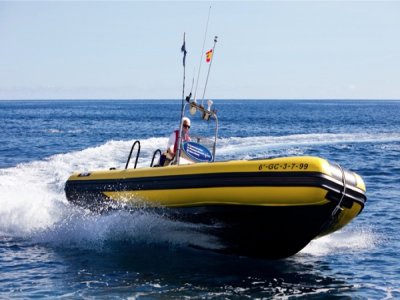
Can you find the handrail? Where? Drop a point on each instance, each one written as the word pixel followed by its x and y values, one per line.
pixel 154 155
pixel 130 154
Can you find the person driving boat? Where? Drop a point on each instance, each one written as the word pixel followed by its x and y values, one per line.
pixel 172 145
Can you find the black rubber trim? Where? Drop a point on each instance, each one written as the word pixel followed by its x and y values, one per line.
pixel 238 179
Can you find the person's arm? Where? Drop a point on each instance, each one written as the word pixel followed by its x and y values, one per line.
pixel 171 144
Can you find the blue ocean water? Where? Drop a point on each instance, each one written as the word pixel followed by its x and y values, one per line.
pixel 49 248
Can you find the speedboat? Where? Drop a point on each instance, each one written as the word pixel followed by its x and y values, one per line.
pixel 269 208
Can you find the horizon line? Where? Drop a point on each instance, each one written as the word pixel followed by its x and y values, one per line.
pixel 217 99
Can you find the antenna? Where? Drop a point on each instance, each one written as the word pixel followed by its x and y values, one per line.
pixel 209 68
pixel 202 51
pixel 183 49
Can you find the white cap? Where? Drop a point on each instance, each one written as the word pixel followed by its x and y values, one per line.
pixel 187 120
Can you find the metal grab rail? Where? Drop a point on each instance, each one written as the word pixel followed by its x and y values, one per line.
pixel 154 155
pixel 130 154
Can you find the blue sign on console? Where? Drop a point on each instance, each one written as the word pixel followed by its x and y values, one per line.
pixel 197 152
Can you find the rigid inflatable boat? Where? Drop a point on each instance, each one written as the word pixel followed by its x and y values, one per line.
pixel 269 208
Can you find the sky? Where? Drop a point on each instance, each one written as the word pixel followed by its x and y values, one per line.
pixel 265 49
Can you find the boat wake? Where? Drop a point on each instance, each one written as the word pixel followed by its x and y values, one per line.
pixel 256 147
pixel 33 205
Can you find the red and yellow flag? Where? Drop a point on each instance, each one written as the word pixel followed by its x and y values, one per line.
pixel 209 54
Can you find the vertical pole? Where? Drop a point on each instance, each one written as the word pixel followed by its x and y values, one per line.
pixel 209 68
pixel 178 151
pixel 183 49
pixel 201 56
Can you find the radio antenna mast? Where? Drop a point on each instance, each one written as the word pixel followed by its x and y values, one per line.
pixel 209 68
pixel 202 51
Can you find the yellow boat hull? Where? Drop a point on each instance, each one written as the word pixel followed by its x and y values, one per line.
pixel 268 208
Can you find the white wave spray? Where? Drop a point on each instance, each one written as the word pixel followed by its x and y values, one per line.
pixel 348 240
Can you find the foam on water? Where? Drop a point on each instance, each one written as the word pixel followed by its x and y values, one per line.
pixel 33 203
pixel 346 240
pixel 92 231
pixel 32 194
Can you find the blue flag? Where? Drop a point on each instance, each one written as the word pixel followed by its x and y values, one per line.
pixel 183 49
